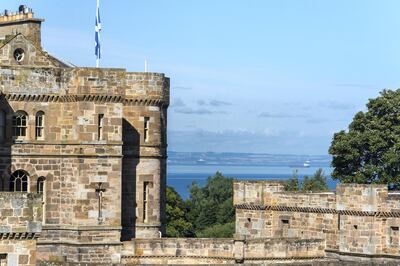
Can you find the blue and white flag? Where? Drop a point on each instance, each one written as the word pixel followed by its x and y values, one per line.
pixel 97 34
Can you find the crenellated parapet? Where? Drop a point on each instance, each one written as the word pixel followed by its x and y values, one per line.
pixel 356 221
pixel 84 84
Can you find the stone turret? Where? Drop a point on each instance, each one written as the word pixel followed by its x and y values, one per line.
pixel 21 22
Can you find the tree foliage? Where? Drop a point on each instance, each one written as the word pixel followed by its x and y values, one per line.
pixel 369 151
pixel 293 184
pixel 211 204
pixel 209 210
pixel 315 183
pixel 177 222
pixel 218 231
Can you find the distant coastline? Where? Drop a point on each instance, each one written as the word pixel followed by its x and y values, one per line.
pixel 246 159
pixel 181 176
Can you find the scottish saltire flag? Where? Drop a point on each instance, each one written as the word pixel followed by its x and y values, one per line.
pixel 97 34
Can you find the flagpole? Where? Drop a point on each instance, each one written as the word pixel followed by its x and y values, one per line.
pixel 97 35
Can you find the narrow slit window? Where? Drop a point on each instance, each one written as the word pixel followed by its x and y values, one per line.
pixel 146 188
pixel 394 235
pixel 19 122
pixel 39 125
pixel 100 126
pixel 285 227
pixel 2 126
pixel 146 129
pixel 40 185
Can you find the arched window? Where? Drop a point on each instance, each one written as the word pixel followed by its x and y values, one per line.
pixel 19 181
pixel 2 126
pixel 40 185
pixel 39 125
pixel 19 122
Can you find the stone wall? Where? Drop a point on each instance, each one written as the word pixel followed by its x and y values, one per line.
pixel 219 251
pixel 357 220
pixel 20 225
pixel 74 157
pixel 25 24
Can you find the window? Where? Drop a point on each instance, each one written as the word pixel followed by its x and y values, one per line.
pixel 40 185
pixel 146 129
pixel 100 124
pixel 3 259
pixel 2 126
pixel 146 188
pixel 19 55
pixel 19 123
pixel 284 224
pixel 394 235
pixel 19 181
pixel 39 125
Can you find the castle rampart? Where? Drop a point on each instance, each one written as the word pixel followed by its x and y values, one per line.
pixel 221 251
pixel 357 220
pixel 20 226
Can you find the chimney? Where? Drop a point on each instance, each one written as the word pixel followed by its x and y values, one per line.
pixel 21 22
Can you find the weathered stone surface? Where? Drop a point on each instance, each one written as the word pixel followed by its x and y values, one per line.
pixel 17 233
pixel 358 220
pixel 93 132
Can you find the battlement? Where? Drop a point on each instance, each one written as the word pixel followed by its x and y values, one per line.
pixel 23 13
pixel 94 84
pixel 21 22
pixel 356 220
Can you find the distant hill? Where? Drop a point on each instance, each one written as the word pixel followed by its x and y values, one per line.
pixel 246 159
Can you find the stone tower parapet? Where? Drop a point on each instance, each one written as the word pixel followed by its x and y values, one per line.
pixel 21 22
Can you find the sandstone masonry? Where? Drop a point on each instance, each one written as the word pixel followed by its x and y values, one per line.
pixel 83 178
pixel 358 222
pixel 91 142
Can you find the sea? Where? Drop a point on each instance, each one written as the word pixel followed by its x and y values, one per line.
pixel 181 177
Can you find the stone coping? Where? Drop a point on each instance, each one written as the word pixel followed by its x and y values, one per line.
pixel 260 207
pixel 259 181
pixel 78 243
pixel 363 255
pixel 81 227
pixel 20 21
pixel 94 69
pixel 248 240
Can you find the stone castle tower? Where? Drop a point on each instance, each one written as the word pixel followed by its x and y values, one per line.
pixel 91 141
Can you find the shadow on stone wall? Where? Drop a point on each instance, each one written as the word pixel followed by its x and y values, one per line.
pixel 130 151
pixel 5 145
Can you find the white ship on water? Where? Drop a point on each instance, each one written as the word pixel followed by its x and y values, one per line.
pixel 306 164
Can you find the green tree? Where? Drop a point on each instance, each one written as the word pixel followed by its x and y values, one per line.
pixel 218 231
pixel 177 223
pixel 210 208
pixel 369 151
pixel 292 184
pixel 317 183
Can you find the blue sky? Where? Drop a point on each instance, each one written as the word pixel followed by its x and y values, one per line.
pixel 246 76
